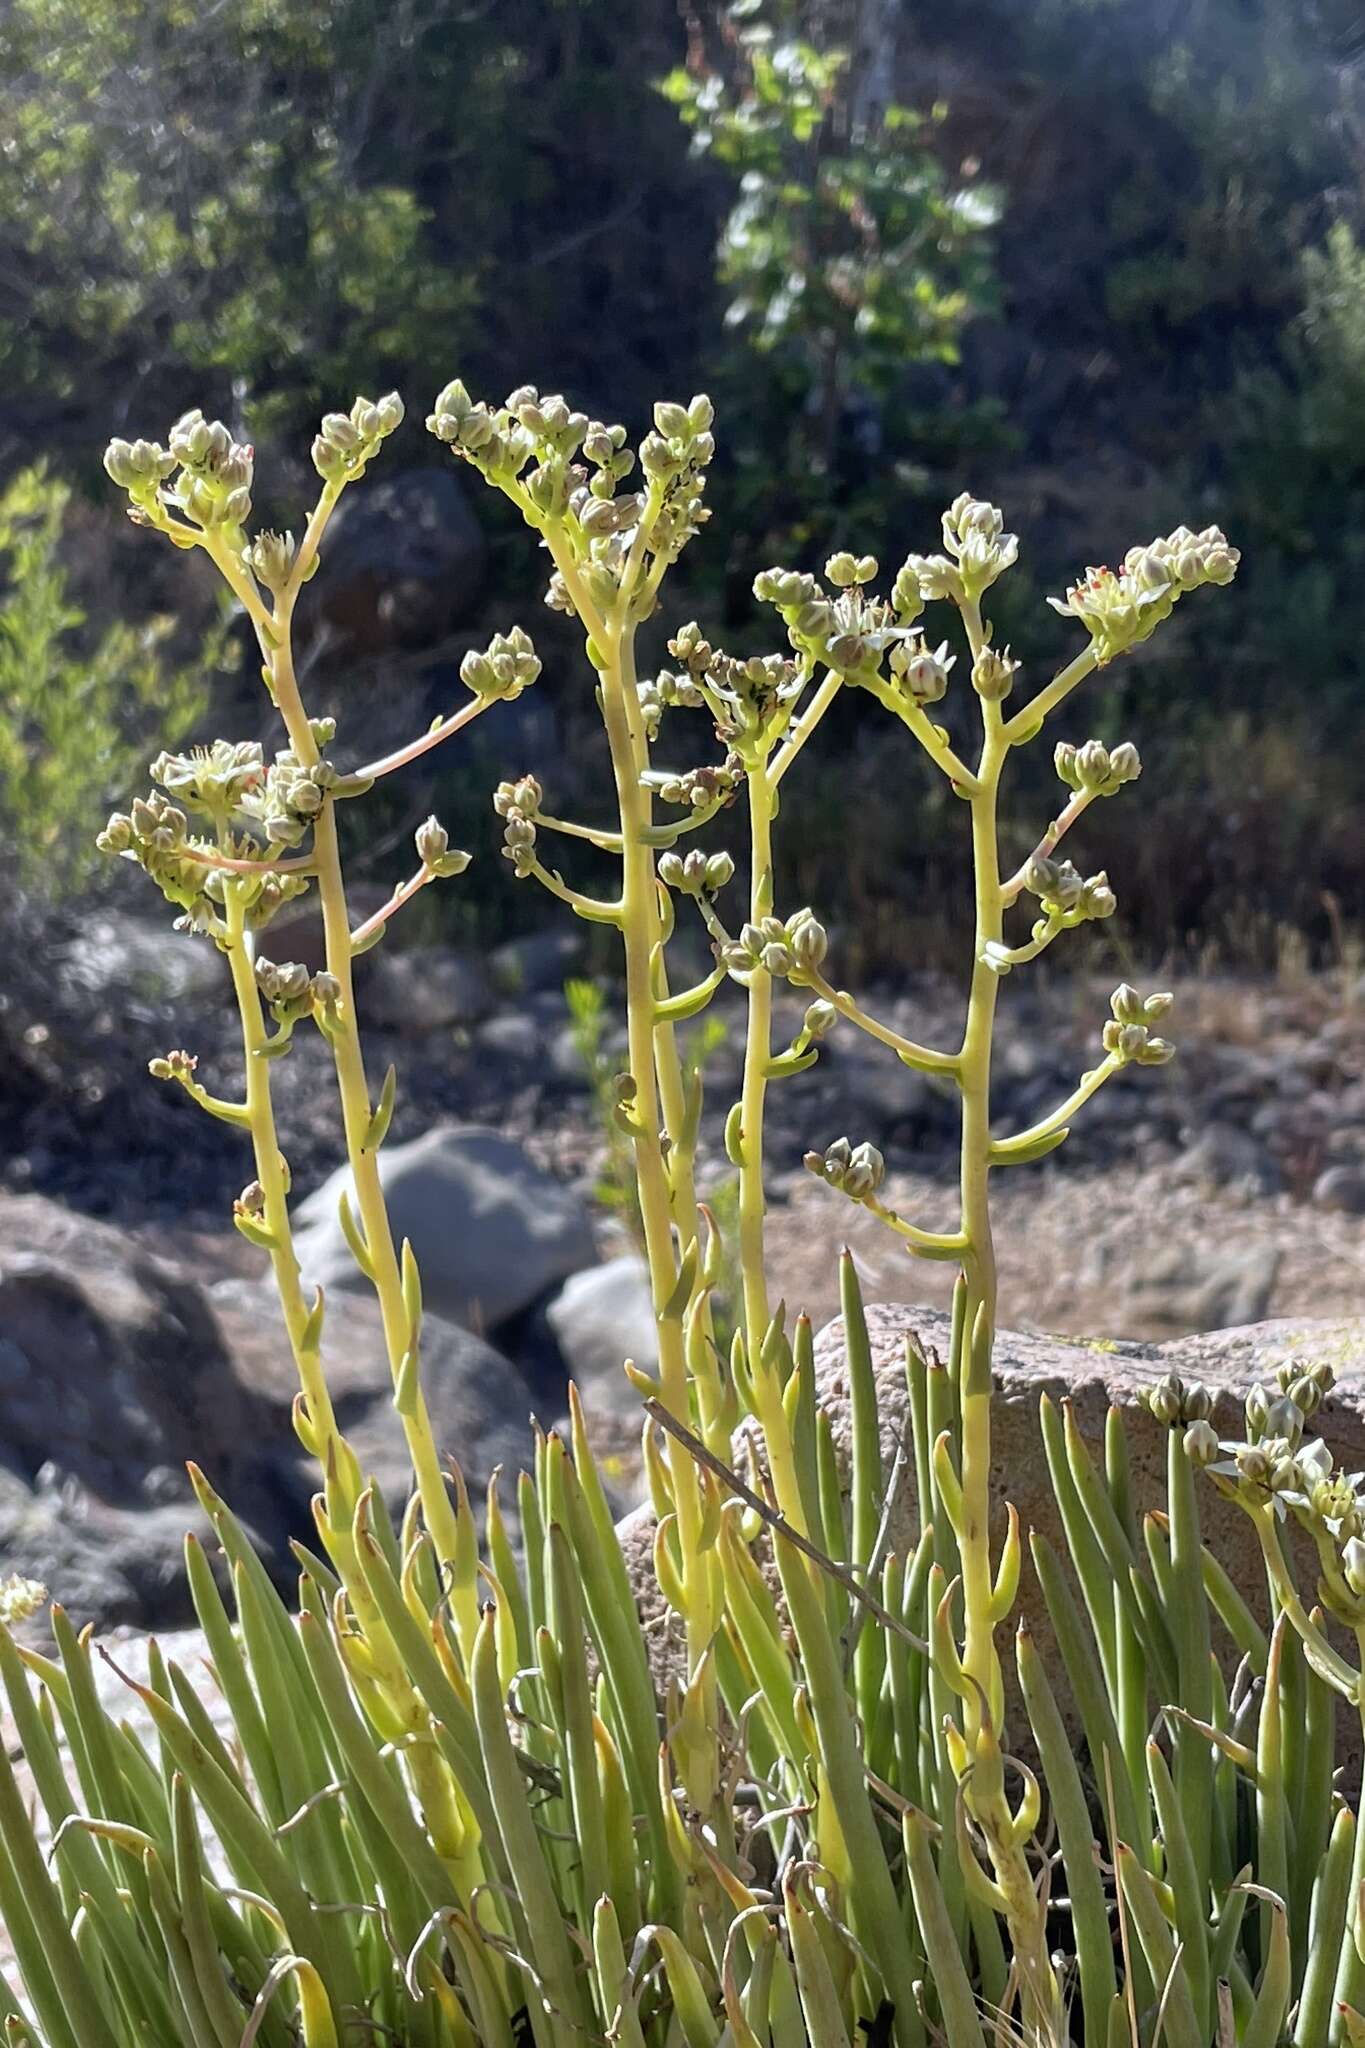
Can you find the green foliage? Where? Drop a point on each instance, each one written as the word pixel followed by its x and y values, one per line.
pixel 848 252
pixel 588 1025
pixel 468 1800
pixel 76 710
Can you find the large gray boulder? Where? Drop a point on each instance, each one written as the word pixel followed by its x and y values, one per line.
pixel 600 1318
pixel 117 1366
pixel 492 1231
pixel 479 1401
pixel 1091 1375
pixel 114 1372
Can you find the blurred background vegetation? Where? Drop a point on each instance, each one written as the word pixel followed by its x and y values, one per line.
pixel 1101 260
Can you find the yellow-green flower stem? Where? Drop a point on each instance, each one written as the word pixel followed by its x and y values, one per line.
pixel 372 1656
pixel 984 1786
pixel 1080 803
pixel 611 649
pixel 273 630
pixel 922 1057
pixel 1007 1151
pixel 757 1057
pixel 1026 721
pixel 341 1473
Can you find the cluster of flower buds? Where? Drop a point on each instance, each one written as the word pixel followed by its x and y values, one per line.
pixel 1127 1036
pixel 790 951
pixel 506 667
pixel 435 851
pixel 1274 1462
pixel 696 873
pixel 664 692
pixel 347 441
pixel 1120 608
pixel 212 477
pixel 1094 769
pixel 676 456
pixel 849 633
pixel 215 780
pixel 517 804
pixel 270 558
pixel 174 1066
pixel 292 992
pixel 704 788
pixel 1068 897
pixel 1187 1406
pixel 856 1170
pixel 845 570
pixel 155 833
pixel 293 794
pixel 469 428
pixel 978 550
pixel 20 1598
pixel 922 671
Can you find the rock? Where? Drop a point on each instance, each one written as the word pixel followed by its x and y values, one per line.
pixel 1228 1155
pixel 479 1401
pixel 1187 1287
pixel 403 561
pixel 535 961
pixel 296 933
pixel 511 1036
pixel 114 1372
pixel 1341 1188
pixel 430 988
pixel 116 957
pixel 600 1318
pixel 1091 1376
pixel 492 1232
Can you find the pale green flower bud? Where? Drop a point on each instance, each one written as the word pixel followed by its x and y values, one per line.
pixel 923 672
pixel 326 990
pixel 841 570
pixel 907 599
pixel 820 1019
pixel 866 1172
pixel 117 835
pixel 700 414
pixel 432 841
pixel 340 432
pixel 720 870
pixel 807 939
pixel 328 460
pixel 270 557
pixel 1198 1402
pixel 1253 1465
pixel 1165 1400
pixel 993 674
pixel 1353 1566
pixel 672 421
pixel 1201 1443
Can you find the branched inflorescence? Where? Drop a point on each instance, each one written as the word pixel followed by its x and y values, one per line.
pixel 463 1807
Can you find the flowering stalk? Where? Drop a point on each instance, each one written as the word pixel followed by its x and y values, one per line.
pixel 197 493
